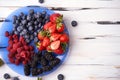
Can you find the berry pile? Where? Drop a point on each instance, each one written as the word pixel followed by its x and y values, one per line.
pixel 52 37
pixel 29 25
pixel 19 50
pixel 40 63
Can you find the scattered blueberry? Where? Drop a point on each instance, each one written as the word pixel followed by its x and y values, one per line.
pixel 60 77
pixel 31 11
pixel 41 1
pixel 74 23
pixel 7 76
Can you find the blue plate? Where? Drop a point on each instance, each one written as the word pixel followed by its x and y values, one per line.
pixel 7 26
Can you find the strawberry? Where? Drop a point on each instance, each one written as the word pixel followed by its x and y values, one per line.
pixel 55 36
pixel 64 38
pixel 47 25
pixel 56 18
pixel 55 45
pixel 52 28
pixel 41 35
pixel 60 27
pixel 59 51
pixel 40 46
pixel 7 34
pixel 46 42
pixel 48 48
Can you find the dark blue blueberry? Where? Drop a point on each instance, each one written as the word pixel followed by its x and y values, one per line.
pixel 35 15
pixel 21 14
pixel 27 36
pixel 35 34
pixel 36 27
pixel 21 34
pixel 30 28
pixel 39 25
pixel 41 1
pixel 17 21
pixel 31 11
pixel 19 18
pixel 60 77
pixel 43 21
pixel 35 39
pixel 47 17
pixel 24 17
pixel 36 23
pixel 14 29
pixel 24 22
pixel 6 76
pixel 74 23
pixel 29 18
pixel 19 29
pixel 14 17
pixel 44 12
pixel 39 20
pixel 31 37
pixel 25 31
pixel 16 78
pixel 27 40
pixel 29 24
pixel 14 21
pixel 38 14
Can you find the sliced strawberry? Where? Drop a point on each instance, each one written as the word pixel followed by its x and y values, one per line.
pixel 55 45
pixel 55 36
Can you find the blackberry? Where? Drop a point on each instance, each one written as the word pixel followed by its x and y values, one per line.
pixel 36 57
pixel 34 72
pixel 47 68
pixel 74 23
pixel 43 61
pixel 49 56
pixel 54 62
pixel 39 53
pixel 41 1
pixel 39 71
pixel 7 76
pixel 27 70
pixel 60 77
pixel 34 64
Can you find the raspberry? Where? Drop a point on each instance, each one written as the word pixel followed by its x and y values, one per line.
pixel 23 54
pixel 11 55
pixel 19 49
pixel 24 62
pixel 15 36
pixel 17 62
pixel 10 37
pixel 21 38
pixel 17 56
pixel 7 34
pixel 26 47
pixel 11 60
pixel 31 48
pixel 16 40
pixel 13 51
pixel 10 42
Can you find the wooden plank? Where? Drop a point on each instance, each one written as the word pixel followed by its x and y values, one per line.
pixel 73 72
pixel 65 3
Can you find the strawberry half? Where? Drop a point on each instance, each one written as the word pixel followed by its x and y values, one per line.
pixel 55 45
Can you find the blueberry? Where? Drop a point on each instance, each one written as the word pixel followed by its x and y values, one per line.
pixel 27 36
pixel 47 17
pixel 39 20
pixel 16 32
pixel 35 34
pixel 31 11
pixel 27 40
pixel 19 29
pixel 60 77
pixel 29 18
pixel 19 18
pixel 14 29
pixel 24 22
pixel 36 27
pixel 14 17
pixel 38 14
pixel 21 14
pixel 24 17
pixel 31 37
pixel 74 23
pixel 29 24
pixel 17 21
pixel 35 39
pixel 25 31
pixel 36 23
pixel 39 25
pixel 30 28
pixel 7 76
pixel 41 1
pixel 16 78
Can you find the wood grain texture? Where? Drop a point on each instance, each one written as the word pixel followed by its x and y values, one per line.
pixel 94 44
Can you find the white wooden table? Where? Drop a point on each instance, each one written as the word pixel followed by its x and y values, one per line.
pixel 95 48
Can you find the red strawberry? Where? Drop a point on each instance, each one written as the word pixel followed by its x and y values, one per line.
pixel 46 42
pixel 56 18
pixel 60 27
pixel 55 36
pixel 64 38
pixel 41 35
pixel 40 46
pixel 55 45
pixel 7 34
pixel 47 25
pixel 59 51
pixel 52 28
